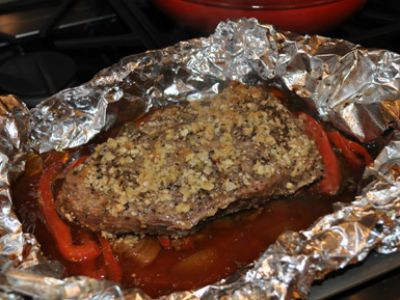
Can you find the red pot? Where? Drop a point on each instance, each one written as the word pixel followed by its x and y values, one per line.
pixel 295 15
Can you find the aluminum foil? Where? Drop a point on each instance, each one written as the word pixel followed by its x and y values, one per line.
pixel 356 89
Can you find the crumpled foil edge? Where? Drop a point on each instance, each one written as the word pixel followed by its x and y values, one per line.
pixel 356 89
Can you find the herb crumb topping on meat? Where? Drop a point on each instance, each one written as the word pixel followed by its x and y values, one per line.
pixel 187 162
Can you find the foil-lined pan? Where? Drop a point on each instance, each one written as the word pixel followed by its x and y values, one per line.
pixel 356 89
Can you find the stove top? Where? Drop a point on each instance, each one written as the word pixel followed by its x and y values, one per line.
pixel 81 37
pixel 89 35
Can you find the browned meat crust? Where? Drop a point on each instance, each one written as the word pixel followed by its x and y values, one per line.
pixel 188 163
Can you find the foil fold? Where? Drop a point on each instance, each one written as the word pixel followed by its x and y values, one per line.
pixel 356 89
pixel 15 246
pixel 42 287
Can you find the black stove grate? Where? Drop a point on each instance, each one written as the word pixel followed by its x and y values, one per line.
pixel 377 25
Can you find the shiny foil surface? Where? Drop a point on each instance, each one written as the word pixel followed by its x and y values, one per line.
pixel 356 89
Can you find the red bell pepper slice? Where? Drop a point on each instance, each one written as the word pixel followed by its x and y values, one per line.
pixel 113 268
pixel 355 154
pixel 165 242
pixel 91 269
pixel 77 162
pixel 330 182
pixel 60 231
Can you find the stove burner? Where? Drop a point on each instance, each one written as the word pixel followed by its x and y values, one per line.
pixel 37 74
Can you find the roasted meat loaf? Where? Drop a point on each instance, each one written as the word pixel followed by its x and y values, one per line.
pixel 189 162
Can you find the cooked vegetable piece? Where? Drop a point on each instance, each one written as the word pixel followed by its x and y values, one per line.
pixel 112 265
pixel 330 182
pixel 146 251
pixel 53 157
pixel 58 229
pixel 92 268
pixel 77 162
pixel 165 241
pixel 355 154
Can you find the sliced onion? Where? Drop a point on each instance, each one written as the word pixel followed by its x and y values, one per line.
pixel 144 252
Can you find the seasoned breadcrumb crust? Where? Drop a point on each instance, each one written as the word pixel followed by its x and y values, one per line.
pixel 187 162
